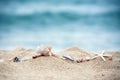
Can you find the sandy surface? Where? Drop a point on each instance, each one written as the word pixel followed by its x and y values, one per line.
pixel 51 68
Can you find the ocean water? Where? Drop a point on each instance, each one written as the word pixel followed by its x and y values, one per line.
pixel 93 25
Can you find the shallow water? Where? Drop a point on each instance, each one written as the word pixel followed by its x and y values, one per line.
pixel 93 25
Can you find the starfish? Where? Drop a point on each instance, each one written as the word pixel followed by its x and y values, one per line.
pixel 101 55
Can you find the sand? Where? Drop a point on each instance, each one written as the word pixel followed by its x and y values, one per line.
pixel 51 68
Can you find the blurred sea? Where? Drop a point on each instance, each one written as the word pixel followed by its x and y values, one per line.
pixel 93 25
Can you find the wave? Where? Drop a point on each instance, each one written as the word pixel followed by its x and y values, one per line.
pixel 45 13
pixel 59 18
pixel 116 2
pixel 27 9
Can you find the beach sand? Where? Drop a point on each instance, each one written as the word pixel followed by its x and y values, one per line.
pixel 51 68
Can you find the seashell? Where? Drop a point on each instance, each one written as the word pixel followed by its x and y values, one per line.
pixel 16 59
pixel 44 50
pixel 110 58
pixel 83 60
pixel 68 57
pixel 79 61
pixel 34 57
pixel 49 47
pixel 87 58
pixel 25 58
pixel 1 60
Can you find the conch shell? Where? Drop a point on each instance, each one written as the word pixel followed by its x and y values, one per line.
pixel 44 50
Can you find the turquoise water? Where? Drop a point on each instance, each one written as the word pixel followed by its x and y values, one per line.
pixel 93 25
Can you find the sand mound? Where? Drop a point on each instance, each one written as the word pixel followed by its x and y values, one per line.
pixel 75 52
pixel 51 68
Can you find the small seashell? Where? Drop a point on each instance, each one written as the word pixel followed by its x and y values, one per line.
pixel 78 61
pixel 87 59
pixel 81 60
pixel 44 50
pixel 1 60
pixel 34 57
pixel 110 58
pixel 16 59
pixel 25 58
pixel 68 57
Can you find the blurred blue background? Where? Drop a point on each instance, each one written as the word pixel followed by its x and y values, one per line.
pixel 93 25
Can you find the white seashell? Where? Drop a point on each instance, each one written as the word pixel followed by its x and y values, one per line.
pixel 87 58
pixel 1 60
pixel 43 50
pixel 68 57
pixel 26 58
